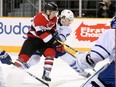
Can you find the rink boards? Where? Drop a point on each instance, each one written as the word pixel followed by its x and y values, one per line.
pixel 85 31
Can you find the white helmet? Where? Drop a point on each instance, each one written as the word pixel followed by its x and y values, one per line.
pixel 67 14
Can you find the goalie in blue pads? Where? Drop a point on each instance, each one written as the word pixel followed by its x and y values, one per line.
pixel 104 48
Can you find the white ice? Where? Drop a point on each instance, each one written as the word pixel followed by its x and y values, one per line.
pixel 62 75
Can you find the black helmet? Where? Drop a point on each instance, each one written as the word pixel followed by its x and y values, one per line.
pixel 51 6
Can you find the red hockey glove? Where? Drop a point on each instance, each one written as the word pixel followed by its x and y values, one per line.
pixel 59 47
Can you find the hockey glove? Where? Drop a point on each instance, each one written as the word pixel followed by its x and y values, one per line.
pixel 5 58
pixel 56 36
pixel 59 47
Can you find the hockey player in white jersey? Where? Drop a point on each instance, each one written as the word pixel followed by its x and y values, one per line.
pixel 104 48
pixel 5 59
pixel 63 31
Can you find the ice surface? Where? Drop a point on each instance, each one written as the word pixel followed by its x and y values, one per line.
pixel 62 75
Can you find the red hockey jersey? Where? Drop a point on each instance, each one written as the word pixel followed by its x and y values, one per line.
pixel 42 27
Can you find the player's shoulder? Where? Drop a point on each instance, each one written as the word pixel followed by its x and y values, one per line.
pixel 109 32
pixel 40 14
pixel 67 28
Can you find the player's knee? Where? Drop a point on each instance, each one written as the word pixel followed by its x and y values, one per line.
pixel 24 58
pixel 49 52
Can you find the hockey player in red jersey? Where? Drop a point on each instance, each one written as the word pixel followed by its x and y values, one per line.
pixel 42 29
pixel 63 31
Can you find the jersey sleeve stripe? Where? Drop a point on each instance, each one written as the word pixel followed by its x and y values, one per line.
pixel 103 49
pixel 46 37
pixel 98 54
pixel 73 64
pixel 38 28
pixel 63 36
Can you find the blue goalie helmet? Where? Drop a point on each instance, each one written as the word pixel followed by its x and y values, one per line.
pixel 113 23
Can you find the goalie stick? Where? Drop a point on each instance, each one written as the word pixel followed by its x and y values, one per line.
pixel 33 76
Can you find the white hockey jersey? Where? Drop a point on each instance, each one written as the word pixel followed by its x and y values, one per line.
pixel 104 47
pixel 63 31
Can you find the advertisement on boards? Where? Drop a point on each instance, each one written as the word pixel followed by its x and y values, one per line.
pixel 85 32
pixel 12 30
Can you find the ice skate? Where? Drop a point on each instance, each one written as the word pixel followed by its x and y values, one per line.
pixel 46 76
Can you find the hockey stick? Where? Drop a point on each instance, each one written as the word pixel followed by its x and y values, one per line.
pixel 67 46
pixel 33 76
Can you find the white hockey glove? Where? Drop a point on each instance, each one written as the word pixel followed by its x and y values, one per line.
pixel 84 60
pixel 81 71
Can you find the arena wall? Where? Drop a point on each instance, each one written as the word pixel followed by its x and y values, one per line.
pixel 85 31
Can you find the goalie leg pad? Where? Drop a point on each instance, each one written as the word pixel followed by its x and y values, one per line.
pixel 107 77
pixel 93 81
